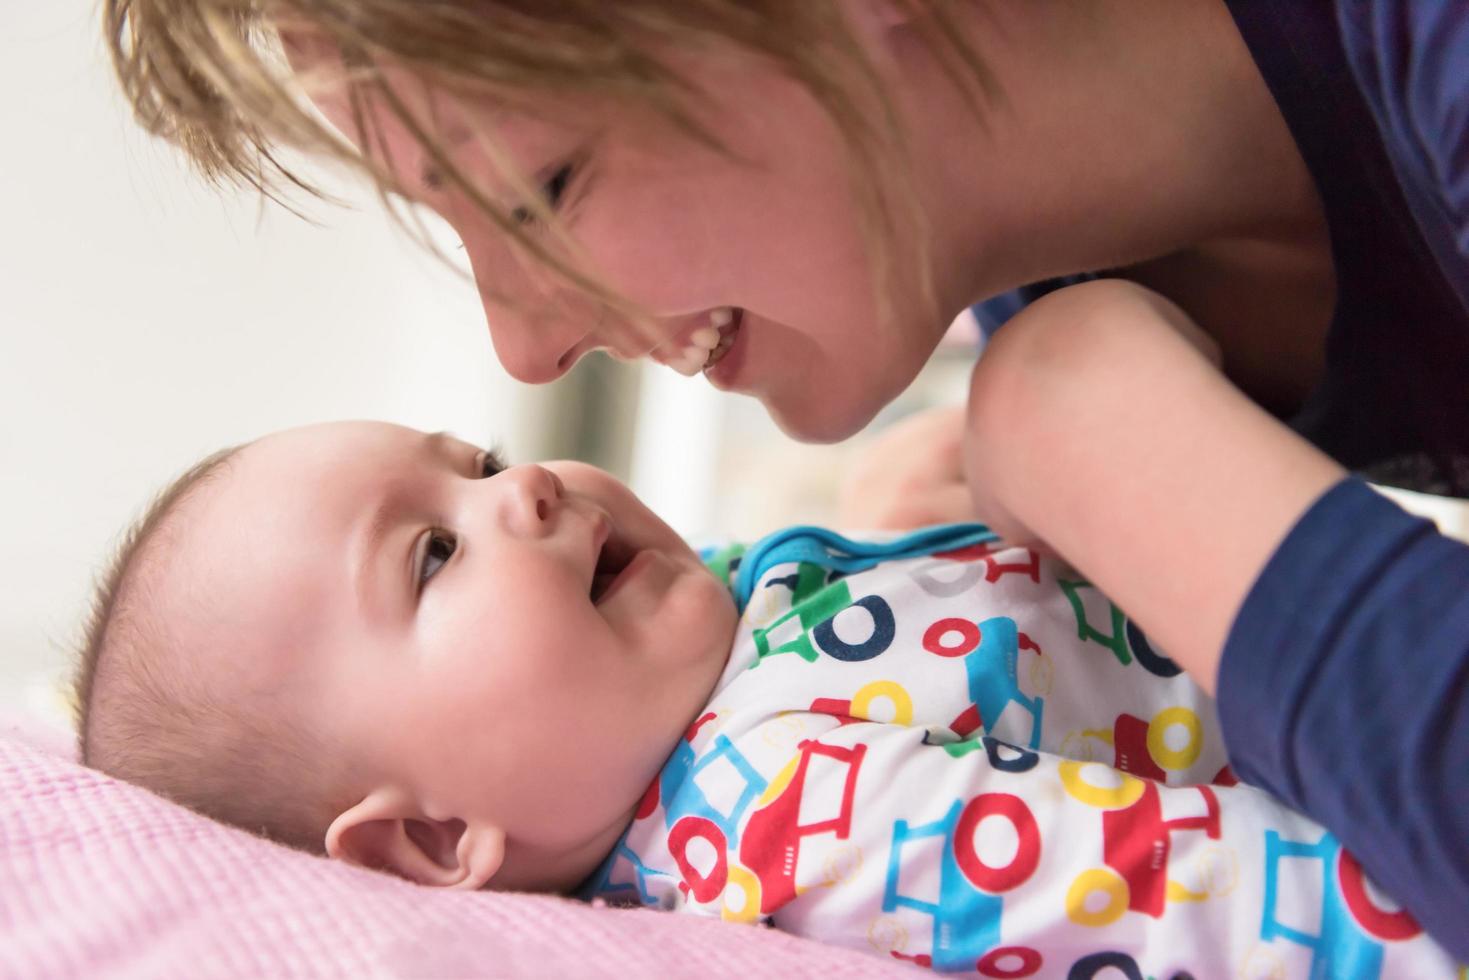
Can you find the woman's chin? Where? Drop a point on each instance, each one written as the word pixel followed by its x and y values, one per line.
pixel 815 420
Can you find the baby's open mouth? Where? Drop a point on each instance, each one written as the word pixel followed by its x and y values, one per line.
pixel 707 345
pixel 612 561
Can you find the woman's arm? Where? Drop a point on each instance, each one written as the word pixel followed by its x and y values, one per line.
pixel 1343 623
pixel 1099 425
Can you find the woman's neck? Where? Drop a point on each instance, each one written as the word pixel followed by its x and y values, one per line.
pixel 1126 131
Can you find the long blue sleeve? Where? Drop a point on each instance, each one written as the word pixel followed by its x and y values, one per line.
pixel 1344 685
pixel 1344 690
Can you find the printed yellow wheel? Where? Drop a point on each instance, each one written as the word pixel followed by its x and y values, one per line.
pixel 764 607
pixel 741 899
pixel 1097 881
pixel 841 864
pixel 887 934
pixel 780 782
pixel 1126 790
pixel 1262 963
pixel 893 691
pixel 1165 756
pixel 1218 869
pixel 1211 873
pixel 1177 891
pixel 784 731
pixel 1042 675
pixel 1088 745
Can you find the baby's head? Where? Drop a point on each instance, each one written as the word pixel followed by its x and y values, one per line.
pixel 362 639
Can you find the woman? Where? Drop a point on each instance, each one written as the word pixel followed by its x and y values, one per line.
pixel 794 199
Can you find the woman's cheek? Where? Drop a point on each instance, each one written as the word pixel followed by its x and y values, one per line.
pixel 654 263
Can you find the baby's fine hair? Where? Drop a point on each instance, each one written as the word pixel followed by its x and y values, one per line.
pixel 147 713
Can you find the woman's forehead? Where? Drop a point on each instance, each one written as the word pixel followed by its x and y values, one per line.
pixel 447 110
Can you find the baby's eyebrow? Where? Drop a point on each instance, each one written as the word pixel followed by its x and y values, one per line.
pixel 443 445
pixel 372 537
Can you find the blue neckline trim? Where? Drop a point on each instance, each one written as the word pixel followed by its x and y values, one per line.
pixel 828 549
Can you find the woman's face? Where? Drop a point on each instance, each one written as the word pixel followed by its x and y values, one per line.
pixel 758 254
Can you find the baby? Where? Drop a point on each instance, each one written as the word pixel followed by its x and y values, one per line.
pixel 388 646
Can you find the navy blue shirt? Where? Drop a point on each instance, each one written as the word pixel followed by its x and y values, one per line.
pixel 1344 684
pixel 1392 402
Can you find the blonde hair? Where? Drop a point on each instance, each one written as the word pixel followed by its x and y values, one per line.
pixel 147 713
pixel 209 76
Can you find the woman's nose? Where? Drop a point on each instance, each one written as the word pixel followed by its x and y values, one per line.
pixel 530 499
pixel 538 332
pixel 535 345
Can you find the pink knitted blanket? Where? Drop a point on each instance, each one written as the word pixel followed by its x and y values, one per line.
pixel 99 878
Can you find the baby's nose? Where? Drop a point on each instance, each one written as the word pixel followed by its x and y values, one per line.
pixel 531 499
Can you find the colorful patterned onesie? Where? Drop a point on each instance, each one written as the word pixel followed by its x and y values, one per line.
pixel 967 757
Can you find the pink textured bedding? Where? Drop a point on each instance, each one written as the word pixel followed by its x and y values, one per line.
pixel 98 878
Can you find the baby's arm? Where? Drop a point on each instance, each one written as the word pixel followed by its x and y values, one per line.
pixel 909 475
pixel 1099 424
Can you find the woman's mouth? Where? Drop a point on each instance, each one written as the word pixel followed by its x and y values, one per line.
pixel 708 344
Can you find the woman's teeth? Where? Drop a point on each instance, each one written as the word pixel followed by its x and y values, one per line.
pixel 707 344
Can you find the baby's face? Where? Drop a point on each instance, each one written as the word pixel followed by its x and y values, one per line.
pixel 522 646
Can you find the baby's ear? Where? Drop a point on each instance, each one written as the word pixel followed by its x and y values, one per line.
pixel 388 830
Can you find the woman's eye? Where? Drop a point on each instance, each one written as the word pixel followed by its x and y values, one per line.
pixel 490 464
pixel 440 549
pixel 552 191
pixel 555 188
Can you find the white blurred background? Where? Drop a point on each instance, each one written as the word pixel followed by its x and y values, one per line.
pixel 147 320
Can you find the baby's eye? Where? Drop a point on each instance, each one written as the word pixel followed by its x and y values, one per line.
pixel 436 554
pixel 552 191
